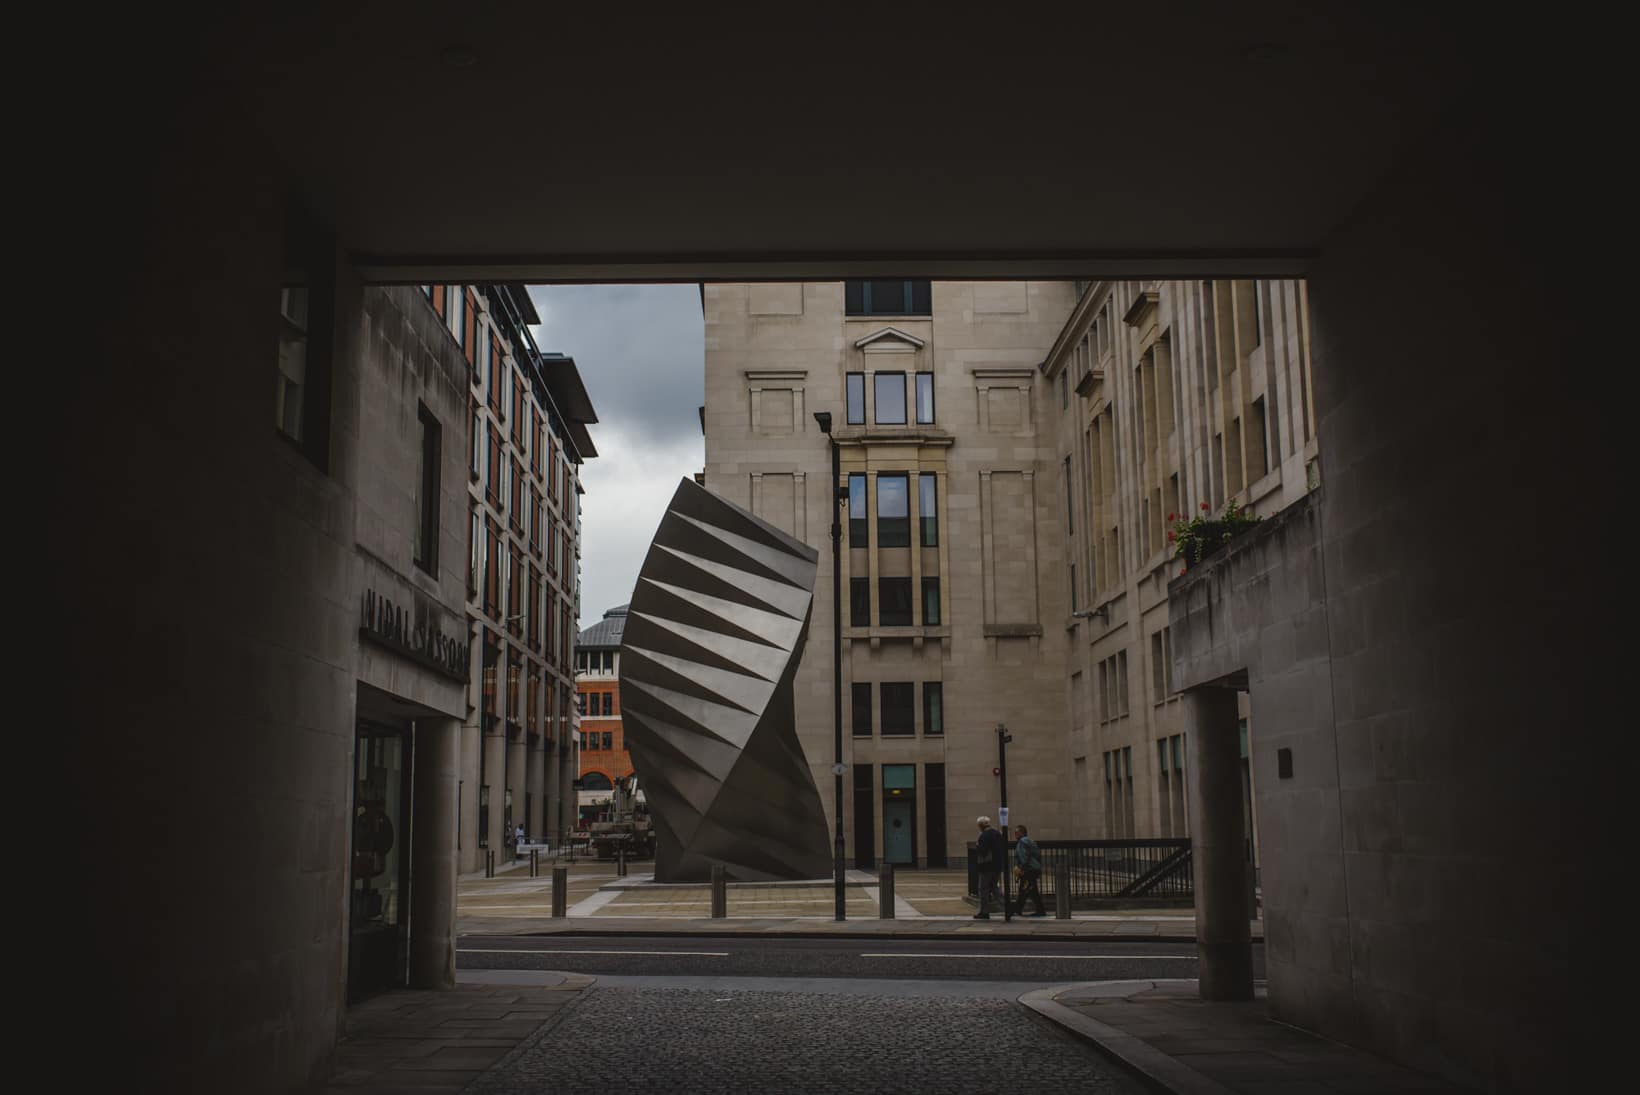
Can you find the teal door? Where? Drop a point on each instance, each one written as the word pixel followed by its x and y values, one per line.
pixel 898 845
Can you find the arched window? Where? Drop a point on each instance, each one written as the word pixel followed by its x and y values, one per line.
pixel 595 781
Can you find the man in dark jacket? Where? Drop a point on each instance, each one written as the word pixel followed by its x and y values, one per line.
pixel 991 857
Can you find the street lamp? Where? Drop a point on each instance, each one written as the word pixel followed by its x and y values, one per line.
pixel 839 496
pixel 1003 738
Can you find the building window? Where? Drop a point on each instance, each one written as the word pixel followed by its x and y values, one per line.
pixel 857 533
pixel 856 399
pixel 893 514
pixel 456 316
pixel 427 492
pixel 925 399
pixel 306 316
pixel 609 737
pixel 1064 389
pixel 1070 501
pixel 928 508
pixel 609 704
pixel 931 600
pixel 475 554
pixel 293 338
pixel 1073 587
pixel 887 298
pixel 894 602
pixel 888 391
pixel 898 708
pixel 862 710
pixel 859 602
pixel 517 511
pixel 478 446
pixel 1161 665
pixel 933 707
pixel 1261 438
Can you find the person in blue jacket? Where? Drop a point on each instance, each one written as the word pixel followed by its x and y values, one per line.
pixel 1028 869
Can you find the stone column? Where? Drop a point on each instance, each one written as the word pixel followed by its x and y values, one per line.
pixel 1213 774
pixel 516 754
pixel 433 854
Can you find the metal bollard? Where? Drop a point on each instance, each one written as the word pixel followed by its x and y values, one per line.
pixel 720 892
pixel 560 892
pixel 620 863
pixel 535 862
pixel 489 864
pixel 885 892
pixel 1062 891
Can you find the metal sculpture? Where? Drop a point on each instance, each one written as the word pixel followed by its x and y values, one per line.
pixel 713 636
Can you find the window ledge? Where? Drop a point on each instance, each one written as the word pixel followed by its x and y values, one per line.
pixel 899 631
pixel 927 434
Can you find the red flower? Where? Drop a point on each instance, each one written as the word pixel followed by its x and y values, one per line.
pixel 1170 537
pixel 1172 517
pixel 1204 505
pixel 1181 572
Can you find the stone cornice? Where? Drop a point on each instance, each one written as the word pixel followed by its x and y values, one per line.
pixel 1143 304
pixel 1077 325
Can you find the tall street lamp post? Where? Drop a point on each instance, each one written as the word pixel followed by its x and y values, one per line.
pixel 839 497
pixel 1003 738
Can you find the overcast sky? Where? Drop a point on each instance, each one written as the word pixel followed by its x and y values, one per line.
pixel 641 351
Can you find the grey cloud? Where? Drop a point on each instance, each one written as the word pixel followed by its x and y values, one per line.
pixel 640 350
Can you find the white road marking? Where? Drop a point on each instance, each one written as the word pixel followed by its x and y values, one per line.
pixel 652 954
pixel 589 906
pixel 1158 957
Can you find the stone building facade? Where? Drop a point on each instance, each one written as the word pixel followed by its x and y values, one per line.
pixel 1010 454
pixel 1168 398
pixel 951 576
pixel 527 436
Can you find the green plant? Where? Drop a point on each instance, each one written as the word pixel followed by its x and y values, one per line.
pixel 1195 539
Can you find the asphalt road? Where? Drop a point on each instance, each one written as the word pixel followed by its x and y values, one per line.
pixel 1038 961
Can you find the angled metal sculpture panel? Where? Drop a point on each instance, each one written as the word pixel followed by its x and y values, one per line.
pixel 713 636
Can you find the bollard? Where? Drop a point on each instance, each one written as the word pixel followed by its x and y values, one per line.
pixel 489 864
pixel 720 892
pixel 560 892
pixel 535 862
pixel 1062 891
pixel 885 892
pixel 620 863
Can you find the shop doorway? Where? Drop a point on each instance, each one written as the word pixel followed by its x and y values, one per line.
pixel 378 943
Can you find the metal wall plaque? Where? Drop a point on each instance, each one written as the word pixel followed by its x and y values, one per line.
pixel 713 636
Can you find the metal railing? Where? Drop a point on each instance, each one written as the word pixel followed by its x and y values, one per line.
pixel 1153 871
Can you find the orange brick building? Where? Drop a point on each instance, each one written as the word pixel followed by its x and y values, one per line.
pixel 601 744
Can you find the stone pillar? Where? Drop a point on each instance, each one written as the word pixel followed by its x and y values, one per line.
pixel 516 753
pixel 1213 771
pixel 471 858
pixel 433 854
pixel 495 772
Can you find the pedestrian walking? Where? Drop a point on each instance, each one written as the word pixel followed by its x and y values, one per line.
pixel 991 857
pixel 518 838
pixel 1028 869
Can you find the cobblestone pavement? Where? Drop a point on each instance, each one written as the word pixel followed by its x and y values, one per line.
pixel 673 1040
